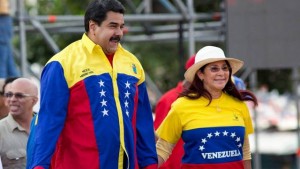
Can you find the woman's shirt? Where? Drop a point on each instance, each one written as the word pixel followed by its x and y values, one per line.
pixel 213 134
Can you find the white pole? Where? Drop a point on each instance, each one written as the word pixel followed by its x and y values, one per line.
pixel 190 7
pixel 22 34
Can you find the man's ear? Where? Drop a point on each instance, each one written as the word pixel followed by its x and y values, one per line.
pixel 34 101
pixel 92 26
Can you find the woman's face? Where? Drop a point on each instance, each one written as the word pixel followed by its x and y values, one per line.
pixel 215 76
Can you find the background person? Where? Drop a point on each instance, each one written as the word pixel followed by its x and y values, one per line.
pixel 94 109
pixel 210 116
pixel 4 109
pixel 161 110
pixel 21 96
pixel 239 83
pixel 7 63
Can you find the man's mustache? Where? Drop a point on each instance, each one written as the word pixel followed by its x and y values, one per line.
pixel 115 38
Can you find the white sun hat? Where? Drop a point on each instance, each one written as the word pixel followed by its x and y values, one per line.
pixel 209 54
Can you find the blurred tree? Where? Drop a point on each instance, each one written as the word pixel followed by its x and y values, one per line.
pixel 160 60
pixel 279 79
pixel 37 48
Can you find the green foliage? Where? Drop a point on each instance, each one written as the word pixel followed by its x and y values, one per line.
pixel 62 7
pixel 161 62
pixel 279 79
pixel 207 5
pixel 76 6
pixel 38 51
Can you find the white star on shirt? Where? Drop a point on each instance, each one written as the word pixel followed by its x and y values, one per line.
pixel 238 139
pixel 127 113
pixel 127 84
pixel 201 148
pixel 103 102
pixel 240 145
pixel 225 133
pixel 127 94
pixel 101 83
pixel 209 135
pixel 217 133
pixel 204 141
pixel 105 112
pixel 102 93
pixel 126 103
pixel 232 135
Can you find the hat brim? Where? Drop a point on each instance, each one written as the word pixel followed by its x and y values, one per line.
pixel 235 65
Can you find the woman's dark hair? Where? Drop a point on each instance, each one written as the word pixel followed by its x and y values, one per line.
pixel 6 82
pixel 98 9
pixel 197 90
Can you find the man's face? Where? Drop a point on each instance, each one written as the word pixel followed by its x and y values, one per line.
pixel 109 33
pixel 20 100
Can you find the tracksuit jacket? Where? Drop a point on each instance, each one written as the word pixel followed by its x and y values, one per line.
pixel 93 115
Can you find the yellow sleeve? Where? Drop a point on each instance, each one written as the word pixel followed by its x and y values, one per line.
pixel 247 119
pixel 171 128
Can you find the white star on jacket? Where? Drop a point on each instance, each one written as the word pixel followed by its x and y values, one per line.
pixel 104 102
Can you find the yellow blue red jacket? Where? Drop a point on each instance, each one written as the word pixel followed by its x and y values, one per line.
pixel 93 115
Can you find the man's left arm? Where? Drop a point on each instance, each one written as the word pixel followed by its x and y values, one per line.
pixel 146 150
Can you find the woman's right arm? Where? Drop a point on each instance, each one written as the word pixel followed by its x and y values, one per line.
pixel 164 150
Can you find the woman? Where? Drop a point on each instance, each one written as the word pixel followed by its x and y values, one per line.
pixel 210 116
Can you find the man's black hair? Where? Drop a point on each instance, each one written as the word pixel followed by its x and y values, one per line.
pixel 98 9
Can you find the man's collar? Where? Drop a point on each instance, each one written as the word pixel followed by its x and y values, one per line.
pixel 88 43
pixel 12 124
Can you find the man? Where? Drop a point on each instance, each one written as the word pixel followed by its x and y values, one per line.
pixel 238 82
pixel 7 64
pixel 94 110
pixel 4 109
pixel 161 111
pixel 21 96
